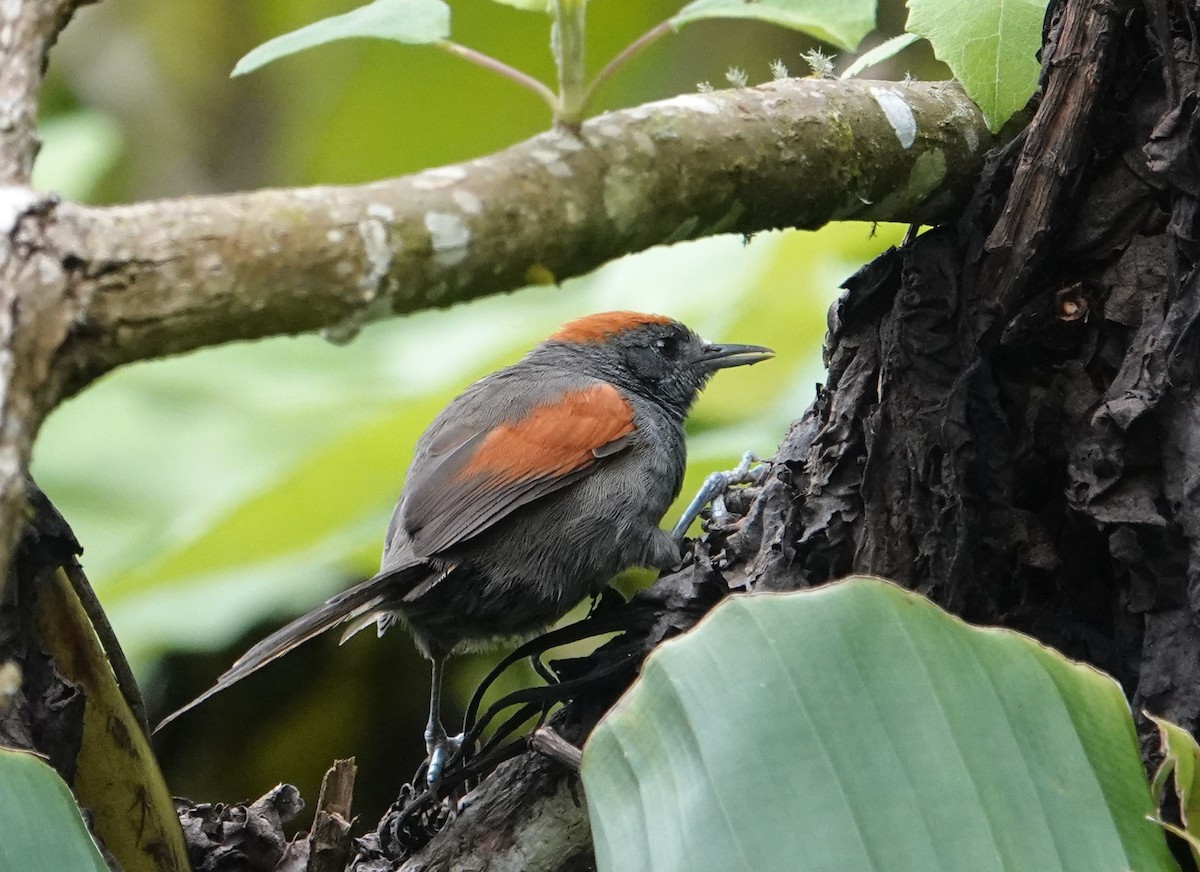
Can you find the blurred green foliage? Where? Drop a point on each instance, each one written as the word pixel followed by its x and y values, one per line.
pixel 230 489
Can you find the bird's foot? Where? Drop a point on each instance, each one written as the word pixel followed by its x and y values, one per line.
pixel 440 748
pixel 713 491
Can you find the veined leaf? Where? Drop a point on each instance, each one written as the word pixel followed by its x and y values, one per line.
pixel 41 829
pixel 859 727
pixel 841 22
pixel 990 46
pixel 415 22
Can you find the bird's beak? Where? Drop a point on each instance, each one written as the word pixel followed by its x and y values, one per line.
pixel 714 357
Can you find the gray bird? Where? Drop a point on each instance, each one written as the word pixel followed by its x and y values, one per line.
pixel 529 491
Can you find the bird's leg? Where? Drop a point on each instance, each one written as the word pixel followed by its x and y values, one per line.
pixel 438 745
pixel 713 491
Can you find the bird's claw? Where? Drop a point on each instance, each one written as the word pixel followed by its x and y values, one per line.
pixel 440 748
pixel 713 491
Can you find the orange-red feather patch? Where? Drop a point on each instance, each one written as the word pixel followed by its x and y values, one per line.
pixel 597 328
pixel 554 439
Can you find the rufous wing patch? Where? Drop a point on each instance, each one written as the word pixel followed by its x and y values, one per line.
pixel 596 328
pixel 554 439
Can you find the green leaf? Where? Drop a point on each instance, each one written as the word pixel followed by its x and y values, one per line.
pixel 78 149
pixel 859 727
pixel 990 46
pixel 529 5
pixel 841 22
pixel 886 50
pixel 1181 755
pixel 415 22
pixel 41 829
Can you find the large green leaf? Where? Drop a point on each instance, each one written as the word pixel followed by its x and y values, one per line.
pixel 990 45
pixel 41 829
pixel 410 21
pixel 841 22
pixel 859 727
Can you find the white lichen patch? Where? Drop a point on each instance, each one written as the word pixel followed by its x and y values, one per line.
pixel 378 255
pixel 644 143
pixel 449 237
pixel 335 236
pixel 440 177
pixel 552 160
pixel 381 212
pixel 694 103
pixel 624 196
pixel 372 283
pixel 467 201
pixel 567 142
pixel 898 114
pixel 575 213
pixel 15 201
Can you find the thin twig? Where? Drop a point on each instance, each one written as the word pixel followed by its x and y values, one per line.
pixel 498 66
pixel 652 35
pixel 550 743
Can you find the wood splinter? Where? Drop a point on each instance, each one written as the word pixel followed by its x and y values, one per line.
pixel 550 743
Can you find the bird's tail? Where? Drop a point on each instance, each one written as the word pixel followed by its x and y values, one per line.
pixel 355 603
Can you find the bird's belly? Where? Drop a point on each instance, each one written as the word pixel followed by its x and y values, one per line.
pixel 523 575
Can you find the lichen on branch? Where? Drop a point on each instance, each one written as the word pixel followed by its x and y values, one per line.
pixel 165 277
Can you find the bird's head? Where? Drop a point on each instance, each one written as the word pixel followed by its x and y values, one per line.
pixel 650 355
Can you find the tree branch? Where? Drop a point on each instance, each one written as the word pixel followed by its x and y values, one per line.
pixel 35 314
pixel 165 277
pixel 27 30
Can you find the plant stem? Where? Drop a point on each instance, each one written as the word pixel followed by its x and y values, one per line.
pixel 652 35
pixel 498 66
pixel 567 43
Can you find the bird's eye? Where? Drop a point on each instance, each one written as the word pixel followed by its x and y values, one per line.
pixel 667 346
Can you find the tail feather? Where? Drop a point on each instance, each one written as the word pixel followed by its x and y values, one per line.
pixel 358 601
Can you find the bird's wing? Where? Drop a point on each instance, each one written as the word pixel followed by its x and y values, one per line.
pixel 482 475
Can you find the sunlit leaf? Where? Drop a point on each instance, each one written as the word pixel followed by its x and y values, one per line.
pixel 886 50
pixel 410 21
pixel 1181 756
pixel 858 726
pixel 41 829
pixel 841 22
pixel 529 5
pixel 990 46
